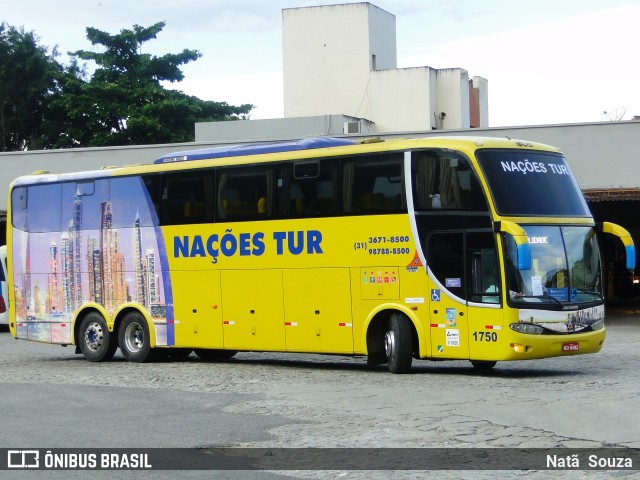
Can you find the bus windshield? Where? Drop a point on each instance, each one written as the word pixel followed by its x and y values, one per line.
pixel 565 267
pixel 550 187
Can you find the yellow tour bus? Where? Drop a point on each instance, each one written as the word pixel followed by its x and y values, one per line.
pixel 443 248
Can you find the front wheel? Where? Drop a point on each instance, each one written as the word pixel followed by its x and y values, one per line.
pixel 398 343
pixel 96 343
pixel 133 338
pixel 483 364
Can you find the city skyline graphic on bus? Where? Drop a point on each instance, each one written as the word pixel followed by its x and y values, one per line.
pixel 110 253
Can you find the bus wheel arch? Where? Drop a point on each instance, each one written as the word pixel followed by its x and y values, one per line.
pixel 93 338
pixel 392 339
pixel 134 335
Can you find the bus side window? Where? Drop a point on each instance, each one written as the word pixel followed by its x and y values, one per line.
pixel 19 208
pixel 445 181
pixel 245 193
pixel 153 186
pixel 82 203
pixel 187 198
pixel 373 185
pixel 46 212
pixel 307 189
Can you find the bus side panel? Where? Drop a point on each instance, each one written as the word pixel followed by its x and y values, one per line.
pixel 253 312
pixel 197 306
pixel 487 333
pixel 318 310
pixel 448 324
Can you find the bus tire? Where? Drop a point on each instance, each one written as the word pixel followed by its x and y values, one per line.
pixel 398 343
pixel 483 364
pixel 213 354
pixel 134 339
pixel 96 343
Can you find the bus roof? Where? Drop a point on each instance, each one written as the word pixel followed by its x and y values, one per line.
pixel 254 149
pixel 294 147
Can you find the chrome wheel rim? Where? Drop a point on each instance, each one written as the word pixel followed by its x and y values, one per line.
pixel 134 337
pixel 94 336
pixel 389 343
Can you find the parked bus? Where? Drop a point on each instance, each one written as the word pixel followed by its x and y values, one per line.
pixel 479 249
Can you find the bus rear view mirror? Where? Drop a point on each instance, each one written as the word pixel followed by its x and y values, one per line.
pixel 522 242
pixel 625 237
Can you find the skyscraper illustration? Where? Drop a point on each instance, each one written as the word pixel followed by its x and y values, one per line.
pixel 54 289
pixel 66 267
pixel 85 255
pixel 138 263
pixel 150 277
pixel 76 227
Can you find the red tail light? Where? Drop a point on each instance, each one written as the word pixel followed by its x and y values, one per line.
pixel 3 306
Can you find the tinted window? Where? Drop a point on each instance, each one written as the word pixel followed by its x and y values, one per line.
pixel 307 189
pixel 444 180
pixel 446 260
pixel 244 193
pixel 186 197
pixel 82 203
pixel 373 185
pixel 19 208
pixel 531 183
pixel 44 208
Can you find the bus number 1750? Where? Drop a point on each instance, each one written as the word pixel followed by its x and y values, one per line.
pixel 485 336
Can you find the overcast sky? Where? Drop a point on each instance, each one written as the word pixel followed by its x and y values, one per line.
pixel 546 61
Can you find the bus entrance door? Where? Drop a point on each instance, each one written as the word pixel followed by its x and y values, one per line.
pixel 447 286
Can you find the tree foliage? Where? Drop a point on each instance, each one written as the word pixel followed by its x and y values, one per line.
pixel 123 102
pixel 29 77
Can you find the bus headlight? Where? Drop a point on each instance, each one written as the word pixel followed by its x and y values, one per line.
pixel 526 328
pixel 599 325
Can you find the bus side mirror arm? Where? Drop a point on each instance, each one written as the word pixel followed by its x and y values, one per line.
pixel 521 239
pixel 625 237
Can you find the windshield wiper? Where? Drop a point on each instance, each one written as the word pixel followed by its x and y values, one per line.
pixel 540 297
pixel 589 292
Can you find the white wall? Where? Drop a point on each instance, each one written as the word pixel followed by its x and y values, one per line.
pixel 327 56
pixel 328 69
pixel 453 97
pixel 400 100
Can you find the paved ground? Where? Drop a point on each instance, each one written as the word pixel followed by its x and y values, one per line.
pixel 53 398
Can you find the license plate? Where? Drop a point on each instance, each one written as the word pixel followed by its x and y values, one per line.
pixel 570 347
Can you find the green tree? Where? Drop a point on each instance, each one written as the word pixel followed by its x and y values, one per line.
pixel 124 102
pixel 29 79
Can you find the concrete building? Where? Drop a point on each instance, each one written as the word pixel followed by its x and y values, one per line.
pixel 342 59
pixel 340 77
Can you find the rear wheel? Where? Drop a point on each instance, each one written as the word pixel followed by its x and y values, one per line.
pixel 96 343
pixel 212 354
pixel 483 364
pixel 398 343
pixel 133 338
